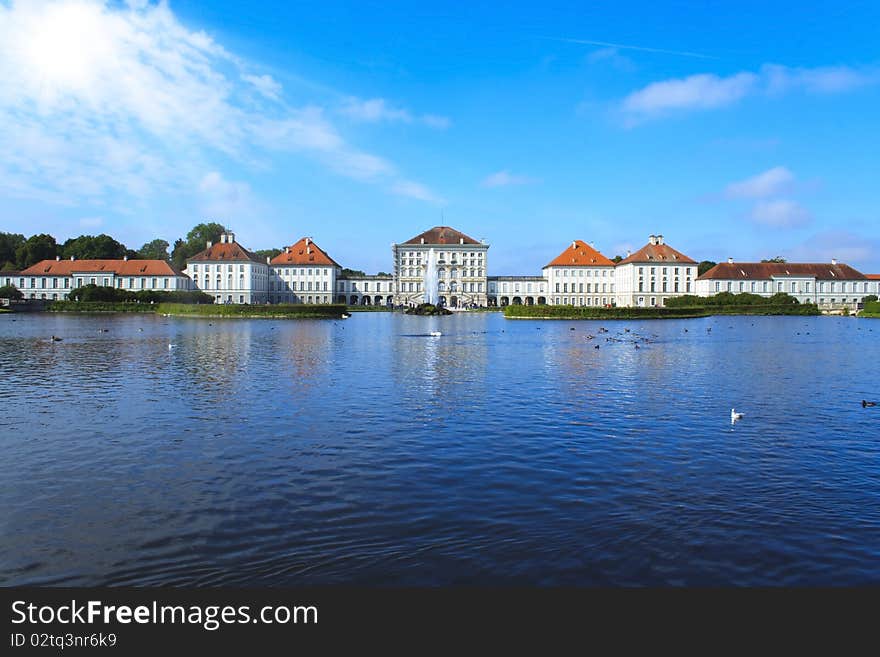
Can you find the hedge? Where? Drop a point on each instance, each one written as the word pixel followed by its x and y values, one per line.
pixel 872 309
pixel 283 311
pixel 99 307
pixel 587 312
pixel 743 299
pixel 117 295
pixel 582 312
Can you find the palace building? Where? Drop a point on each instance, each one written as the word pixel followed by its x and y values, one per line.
pixel 580 276
pixel 828 285
pixel 462 265
pixel 53 280
pixel 445 266
pixel 229 272
pixel 653 274
pixel 303 273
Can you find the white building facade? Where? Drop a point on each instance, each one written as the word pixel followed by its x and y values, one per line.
pixel 515 290
pixel 229 272
pixel 53 280
pixel 831 286
pixel 580 276
pixel 653 274
pixel 303 273
pixel 462 265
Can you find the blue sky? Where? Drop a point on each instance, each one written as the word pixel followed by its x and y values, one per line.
pixel 742 130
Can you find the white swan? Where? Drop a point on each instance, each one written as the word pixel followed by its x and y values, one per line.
pixel 734 416
pixel 435 334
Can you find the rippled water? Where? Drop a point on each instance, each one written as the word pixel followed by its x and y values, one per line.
pixel 504 452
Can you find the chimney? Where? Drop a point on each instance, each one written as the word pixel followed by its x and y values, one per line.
pixel 125 258
pixel 210 244
pixel 57 258
pixel 268 260
pixel 628 253
pixel 308 241
pixel 730 261
pixel 574 244
pixel 71 258
pixel 652 239
pixel 423 240
pixel 461 240
pixel 659 239
pixel 833 261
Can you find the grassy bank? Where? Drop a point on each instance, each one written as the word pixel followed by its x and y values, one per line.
pixel 277 311
pixel 99 307
pixel 370 309
pixel 582 312
pixel 586 312
pixel 798 309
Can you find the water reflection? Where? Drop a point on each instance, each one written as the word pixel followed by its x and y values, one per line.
pixel 271 452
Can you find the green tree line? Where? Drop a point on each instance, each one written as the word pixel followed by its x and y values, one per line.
pixel 18 252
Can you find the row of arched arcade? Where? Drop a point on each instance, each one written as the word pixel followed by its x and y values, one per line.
pixel 365 300
pixel 517 301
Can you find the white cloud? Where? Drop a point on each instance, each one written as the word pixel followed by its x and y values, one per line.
pixel 695 92
pixel 414 190
pixel 91 222
pixel 708 91
pixel 823 80
pixel 373 111
pixel 265 84
pixel 101 102
pixel 613 57
pixel 505 178
pixel 378 110
pixel 855 250
pixel 769 183
pixel 780 213
pixel 436 121
pixel 225 200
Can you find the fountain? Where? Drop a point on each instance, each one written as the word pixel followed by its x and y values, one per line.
pixel 430 283
pixel 430 278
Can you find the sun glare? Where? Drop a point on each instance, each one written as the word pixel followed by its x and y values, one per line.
pixel 65 45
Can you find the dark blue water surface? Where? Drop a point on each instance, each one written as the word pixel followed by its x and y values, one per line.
pixel 263 452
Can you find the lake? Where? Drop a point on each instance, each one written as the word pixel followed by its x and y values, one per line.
pixel 270 452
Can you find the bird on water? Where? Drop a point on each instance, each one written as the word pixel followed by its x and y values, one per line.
pixel 865 404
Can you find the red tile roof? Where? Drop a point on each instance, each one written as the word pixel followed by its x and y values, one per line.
pixel 118 267
pixel 873 277
pixel 657 253
pixel 225 252
pixel 765 270
pixel 580 254
pixel 304 252
pixel 442 235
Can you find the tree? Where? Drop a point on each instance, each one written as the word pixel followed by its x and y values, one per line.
pixel 705 266
pixel 262 254
pixel 349 273
pixel 616 259
pixel 155 250
pixel 196 241
pixel 9 244
pixel 36 248
pixel 779 259
pixel 88 247
pixel 11 292
pixel 383 273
